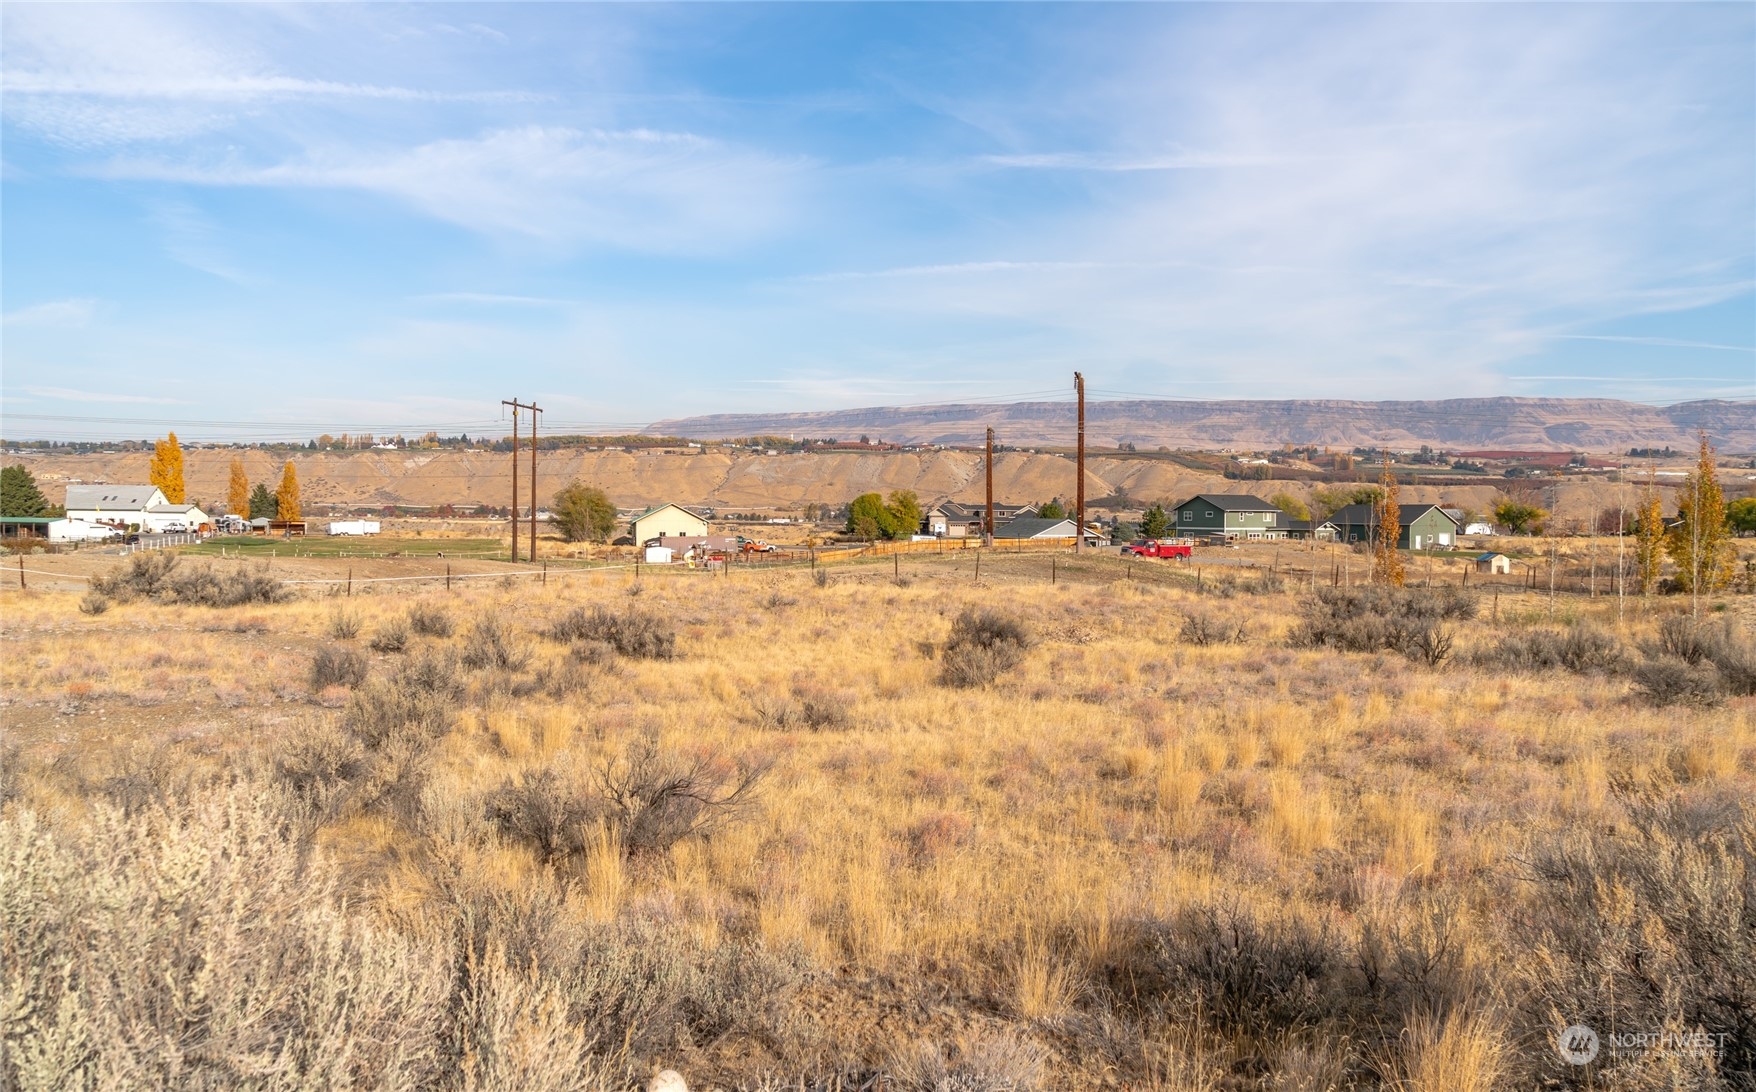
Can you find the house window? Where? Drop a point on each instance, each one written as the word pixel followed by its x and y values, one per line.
pixel 1210 513
pixel 1268 517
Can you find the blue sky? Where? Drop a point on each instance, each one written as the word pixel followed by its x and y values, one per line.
pixel 392 217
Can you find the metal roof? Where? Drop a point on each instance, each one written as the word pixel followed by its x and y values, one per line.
pixel 111 496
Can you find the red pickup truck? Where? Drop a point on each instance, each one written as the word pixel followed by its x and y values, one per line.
pixel 1152 547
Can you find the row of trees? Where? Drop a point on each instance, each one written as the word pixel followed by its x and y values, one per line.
pixel 166 472
pixel 872 517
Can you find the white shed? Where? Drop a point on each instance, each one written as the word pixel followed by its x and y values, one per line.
pixel 658 555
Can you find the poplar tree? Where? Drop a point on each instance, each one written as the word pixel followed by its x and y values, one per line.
pixel 1649 540
pixel 287 496
pixel 238 496
pixel 1386 560
pixel 167 468
pixel 1701 544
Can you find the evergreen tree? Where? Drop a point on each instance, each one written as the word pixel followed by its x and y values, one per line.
pixel 1649 540
pixel 238 496
pixel 262 503
pixel 584 513
pixel 286 498
pixel 1701 544
pixel 1386 558
pixel 19 495
pixel 167 468
pixel 1155 522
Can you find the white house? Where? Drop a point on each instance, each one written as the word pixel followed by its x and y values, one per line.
pixel 179 518
pixel 119 504
pixel 667 521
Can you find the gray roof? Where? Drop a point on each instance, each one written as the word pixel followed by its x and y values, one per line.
pixel 173 509
pixel 1033 527
pixel 1365 515
pixel 1233 502
pixel 134 497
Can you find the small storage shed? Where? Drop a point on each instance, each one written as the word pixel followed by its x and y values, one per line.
pixel 658 555
pixel 1491 562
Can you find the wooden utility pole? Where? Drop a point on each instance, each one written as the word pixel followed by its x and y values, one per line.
pixel 988 522
pixel 516 406
pixel 1079 490
pixel 534 410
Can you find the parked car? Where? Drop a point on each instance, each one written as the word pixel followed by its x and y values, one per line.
pixel 1152 547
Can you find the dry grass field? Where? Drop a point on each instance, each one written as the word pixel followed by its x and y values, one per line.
pixel 855 830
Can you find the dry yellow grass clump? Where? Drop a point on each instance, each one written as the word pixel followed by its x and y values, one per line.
pixel 771 828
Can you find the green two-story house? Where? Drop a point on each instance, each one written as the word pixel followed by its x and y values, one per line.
pixel 1229 515
pixel 1424 526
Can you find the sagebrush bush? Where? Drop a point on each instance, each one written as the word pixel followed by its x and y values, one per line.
pixel 1649 925
pixel 428 620
pixel 344 624
pixel 633 633
pixel 1667 680
pixel 1583 649
pixel 490 645
pixel 984 644
pixel 1719 649
pixel 157 576
pixel 338 665
pixel 198 946
pixel 393 636
pixel 94 603
pixel 1382 618
pixel 553 814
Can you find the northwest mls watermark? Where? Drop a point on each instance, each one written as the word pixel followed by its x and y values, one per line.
pixel 1580 1045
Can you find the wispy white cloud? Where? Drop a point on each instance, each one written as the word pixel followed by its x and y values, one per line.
pixel 192 238
pixel 1125 163
pixel 69 394
pixel 74 312
pixel 639 189
pixel 1667 342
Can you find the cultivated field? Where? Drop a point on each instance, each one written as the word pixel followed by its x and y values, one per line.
pixel 884 824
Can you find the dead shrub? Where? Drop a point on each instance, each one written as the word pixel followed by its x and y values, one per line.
pixel 338 665
pixel 633 633
pixel 658 798
pixel 983 645
pixel 551 814
pixel 428 620
pixel 490 645
pixel 1202 629
pixel 1246 973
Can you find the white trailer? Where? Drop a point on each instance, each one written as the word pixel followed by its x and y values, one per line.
pixel 353 527
pixel 78 530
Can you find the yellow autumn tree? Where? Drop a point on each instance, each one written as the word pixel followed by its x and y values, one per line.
pixel 167 468
pixel 1701 543
pixel 1649 540
pixel 287 496
pixel 1386 560
pixel 238 495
